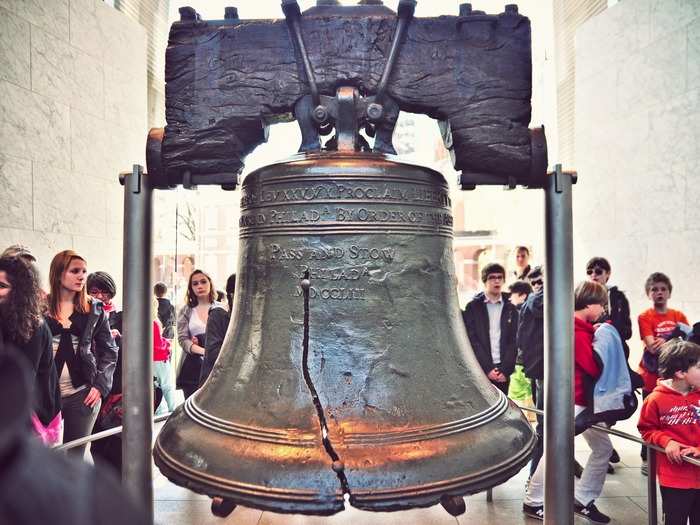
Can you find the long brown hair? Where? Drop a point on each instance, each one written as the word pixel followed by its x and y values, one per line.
pixel 21 315
pixel 59 265
pixel 191 298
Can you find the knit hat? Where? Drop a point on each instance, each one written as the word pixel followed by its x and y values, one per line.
pixel 102 281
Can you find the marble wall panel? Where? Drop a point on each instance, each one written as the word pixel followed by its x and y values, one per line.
pixel 44 245
pixel 64 73
pixel 609 38
pixel 675 131
pixel 121 86
pixel 14 49
pixel 34 127
pixel 51 16
pixel 16 193
pixel 693 58
pixel 653 74
pixel 669 16
pixel 68 203
pixel 101 31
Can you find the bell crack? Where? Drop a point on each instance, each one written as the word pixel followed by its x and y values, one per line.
pixel 337 465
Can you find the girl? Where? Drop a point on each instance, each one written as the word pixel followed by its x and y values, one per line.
pixel 84 351
pixel 191 329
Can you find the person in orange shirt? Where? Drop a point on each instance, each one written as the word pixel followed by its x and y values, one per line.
pixel 670 418
pixel 655 327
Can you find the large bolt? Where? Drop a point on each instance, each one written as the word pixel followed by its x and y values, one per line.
pixel 231 13
pixel 465 9
pixel 320 114
pixel 188 14
pixel 511 9
pixel 374 111
pixel 305 284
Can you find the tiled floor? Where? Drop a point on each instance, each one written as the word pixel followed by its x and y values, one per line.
pixel 624 499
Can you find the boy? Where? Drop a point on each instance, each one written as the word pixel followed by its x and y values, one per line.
pixel 670 418
pixel 655 327
pixel 590 299
pixel 492 323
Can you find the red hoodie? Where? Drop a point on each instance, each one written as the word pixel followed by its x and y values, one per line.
pixel 669 415
pixel 584 363
pixel 161 346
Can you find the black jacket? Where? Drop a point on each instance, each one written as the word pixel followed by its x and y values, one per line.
pixel 38 352
pixel 476 321
pixel 619 316
pixel 530 337
pixel 217 325
pixel 97 350
pixel 166 316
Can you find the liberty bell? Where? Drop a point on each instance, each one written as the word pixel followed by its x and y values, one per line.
pixel 346 375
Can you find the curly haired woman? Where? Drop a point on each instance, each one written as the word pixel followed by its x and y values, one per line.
pixel 23 329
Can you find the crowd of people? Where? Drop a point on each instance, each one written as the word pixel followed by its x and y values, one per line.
pixel 506 332
pixel 70 337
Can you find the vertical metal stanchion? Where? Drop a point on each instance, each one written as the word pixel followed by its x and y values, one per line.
pixel 651 486
pixel 137 339
pixel 559 339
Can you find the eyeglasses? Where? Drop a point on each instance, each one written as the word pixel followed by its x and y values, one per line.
pixel 537 282
pixel 495 277
pixel 95 293
pixel 597 271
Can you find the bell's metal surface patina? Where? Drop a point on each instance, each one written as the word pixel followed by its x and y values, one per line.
pixel 346 368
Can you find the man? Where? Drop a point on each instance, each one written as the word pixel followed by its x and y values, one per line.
pixel 618 309
pixel 522 262
pixel 530 341
pixel 491 322
pixel 166 310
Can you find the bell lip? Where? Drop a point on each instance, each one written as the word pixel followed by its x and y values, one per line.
pixel 311 502
pixel 345 155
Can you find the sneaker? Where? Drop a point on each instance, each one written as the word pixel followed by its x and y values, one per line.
pixel 645 469
pixel 591 513
pixel 534 511
pixel 611 469
pixel 578 469
pixel 614 457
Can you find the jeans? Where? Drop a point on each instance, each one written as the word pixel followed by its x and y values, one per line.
pixel 78 419
pixel 162 370
pixel 538 394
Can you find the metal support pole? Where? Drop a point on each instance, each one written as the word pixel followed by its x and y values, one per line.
pixel 137 339
pixel 652 512
pixel 559 361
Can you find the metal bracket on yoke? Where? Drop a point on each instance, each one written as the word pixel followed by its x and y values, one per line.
pixel 318 114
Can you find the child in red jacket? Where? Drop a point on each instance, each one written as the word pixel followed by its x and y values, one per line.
pixel 670 418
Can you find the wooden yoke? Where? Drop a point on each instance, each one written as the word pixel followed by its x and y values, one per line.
pixel 227 80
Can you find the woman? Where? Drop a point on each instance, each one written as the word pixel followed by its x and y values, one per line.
pixel 191 329
pixel 84 351
pixel 23 329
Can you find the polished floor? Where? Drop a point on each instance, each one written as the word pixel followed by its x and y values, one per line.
pixel 624 500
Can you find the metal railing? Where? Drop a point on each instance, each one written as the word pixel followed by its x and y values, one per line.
pixel 652 504
pixel 105 433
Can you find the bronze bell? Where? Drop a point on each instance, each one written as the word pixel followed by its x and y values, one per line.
pixel 346 373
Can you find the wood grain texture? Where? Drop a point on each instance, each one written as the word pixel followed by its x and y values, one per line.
pixel 227 80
